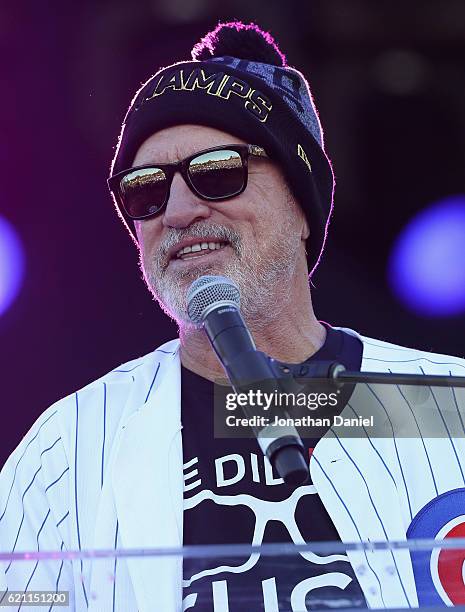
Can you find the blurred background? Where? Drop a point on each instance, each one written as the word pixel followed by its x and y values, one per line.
pixel 388 80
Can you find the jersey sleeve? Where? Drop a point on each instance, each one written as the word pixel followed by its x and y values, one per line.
pixel 34 511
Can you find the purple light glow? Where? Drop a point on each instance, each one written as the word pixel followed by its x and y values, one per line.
pixel 11 265
pixel 426 269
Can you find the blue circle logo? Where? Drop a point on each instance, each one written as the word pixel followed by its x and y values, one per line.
pixel 440 574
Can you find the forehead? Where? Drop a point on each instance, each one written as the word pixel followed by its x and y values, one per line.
pixel 180 141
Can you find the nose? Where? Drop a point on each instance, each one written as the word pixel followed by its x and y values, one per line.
pixel 183 207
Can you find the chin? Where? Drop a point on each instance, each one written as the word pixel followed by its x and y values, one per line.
pixel 189 276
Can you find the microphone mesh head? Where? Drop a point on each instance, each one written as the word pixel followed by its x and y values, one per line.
pixel 209 290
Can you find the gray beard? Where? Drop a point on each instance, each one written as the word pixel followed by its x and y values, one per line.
pixel 257 275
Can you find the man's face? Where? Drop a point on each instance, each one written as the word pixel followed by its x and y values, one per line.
pixel 257 238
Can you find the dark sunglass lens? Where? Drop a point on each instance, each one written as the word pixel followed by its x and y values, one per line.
pixel 217 174
pixel 143 191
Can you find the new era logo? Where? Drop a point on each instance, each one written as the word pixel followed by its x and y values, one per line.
pixel 301 153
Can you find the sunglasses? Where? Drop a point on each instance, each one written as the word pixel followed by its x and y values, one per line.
pixel 211 174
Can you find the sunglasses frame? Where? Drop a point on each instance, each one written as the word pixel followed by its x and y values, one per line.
pixel 182 166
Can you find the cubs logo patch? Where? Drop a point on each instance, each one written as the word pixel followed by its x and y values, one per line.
pixel 440 574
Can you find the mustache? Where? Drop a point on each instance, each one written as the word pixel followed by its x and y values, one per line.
pixel 197 230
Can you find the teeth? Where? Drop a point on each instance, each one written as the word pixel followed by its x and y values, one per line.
pixel 200 246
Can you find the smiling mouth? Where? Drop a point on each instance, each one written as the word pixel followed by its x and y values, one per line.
pixel 199 249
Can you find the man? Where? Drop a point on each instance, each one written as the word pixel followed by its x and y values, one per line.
pixel 221 168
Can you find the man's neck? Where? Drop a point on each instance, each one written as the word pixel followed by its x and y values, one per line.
pixel 291 337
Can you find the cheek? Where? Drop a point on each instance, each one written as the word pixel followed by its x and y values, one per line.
pixel 148 235
pixel 270 214
pixel 279 221
pixel 257 205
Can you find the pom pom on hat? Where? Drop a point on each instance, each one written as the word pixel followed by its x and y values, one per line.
pixel 244 41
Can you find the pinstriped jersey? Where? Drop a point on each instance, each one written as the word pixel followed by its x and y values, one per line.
pixel 91 474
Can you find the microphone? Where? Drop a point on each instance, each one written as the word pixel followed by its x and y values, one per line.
pixel 213 302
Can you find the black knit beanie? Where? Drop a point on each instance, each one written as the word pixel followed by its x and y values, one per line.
pixel 239 82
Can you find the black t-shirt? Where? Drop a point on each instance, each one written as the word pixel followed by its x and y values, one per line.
pixel 232 496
